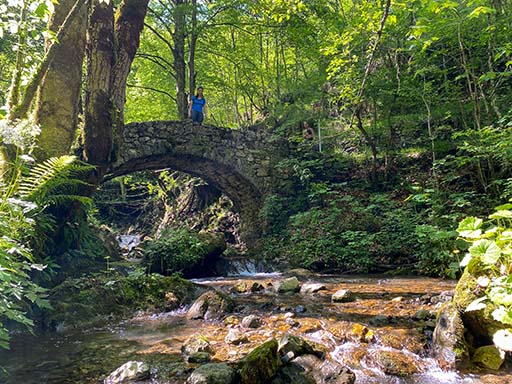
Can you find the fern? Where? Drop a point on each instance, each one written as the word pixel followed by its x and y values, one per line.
pixel 56 181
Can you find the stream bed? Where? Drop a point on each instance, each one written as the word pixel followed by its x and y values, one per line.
pixel 382 335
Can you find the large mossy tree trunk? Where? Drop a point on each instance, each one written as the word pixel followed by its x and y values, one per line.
pixel 98 111
pixel 129 21
pixel 111 47
pixel 58 99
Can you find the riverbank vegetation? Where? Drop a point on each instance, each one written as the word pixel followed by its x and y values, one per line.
pixel 410 104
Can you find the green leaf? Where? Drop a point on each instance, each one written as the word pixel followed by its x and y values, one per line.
pixel 504 207
pixel 481 10
pixel 465 261
pixel 503 339
pixel 470 228
pixel 501 214
pixel 487 251
pixel 502 315
pixel 501 296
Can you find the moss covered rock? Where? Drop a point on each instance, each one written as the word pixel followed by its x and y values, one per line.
pixel 488 356
pixel 212 373
pixel 260 365
pixel 94 298
pixel 449 344
pixel 395 363
pixel 480 324
pixel 211 305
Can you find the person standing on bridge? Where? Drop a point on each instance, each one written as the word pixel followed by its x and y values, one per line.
pixel 197 106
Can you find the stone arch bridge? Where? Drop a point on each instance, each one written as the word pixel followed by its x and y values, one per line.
pixel 240 163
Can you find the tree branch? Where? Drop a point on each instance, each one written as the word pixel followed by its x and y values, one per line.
pixel 153 89
pixel 158 60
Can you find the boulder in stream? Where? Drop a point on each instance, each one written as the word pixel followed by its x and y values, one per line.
pixel 290 284
pixel 489 356
pixel 291 346
pixel 342 296
pixel 324 371
pixel 235 336
pixel 130 371
pixel 211 305
pixel 195 345
pixel 394 363
pixel 251 321
pixel 449 344
pixel 310 288
pixel 213 373
pixel 199 358
pixel 261 364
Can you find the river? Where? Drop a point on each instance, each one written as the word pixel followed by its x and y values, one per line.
pixel 390 317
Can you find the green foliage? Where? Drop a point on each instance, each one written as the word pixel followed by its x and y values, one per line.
pixel 490 258
pixel 56 181
pixel 24 221
pixel 435 251
pixel 175 251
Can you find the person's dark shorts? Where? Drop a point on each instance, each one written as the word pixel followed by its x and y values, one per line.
pixel 197 116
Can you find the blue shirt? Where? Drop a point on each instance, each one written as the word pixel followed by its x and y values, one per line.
pixel 198 104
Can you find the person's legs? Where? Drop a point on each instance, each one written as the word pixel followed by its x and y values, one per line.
pixel 197 117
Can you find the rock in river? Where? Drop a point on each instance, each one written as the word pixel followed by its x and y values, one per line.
pixel 261 364
pixel 220 373
pixel 342 296
pixel 195 345
pixel 132 370
pixel 489 356
pixel 235 336
pixel 290 284
pixel 309 288
pixel 211 305
pixel 251 321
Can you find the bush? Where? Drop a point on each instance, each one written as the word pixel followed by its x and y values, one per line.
pixel 183 251
pixel 489 261
pixel 364 233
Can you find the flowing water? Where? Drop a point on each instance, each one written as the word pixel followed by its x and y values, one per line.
pixel 385 330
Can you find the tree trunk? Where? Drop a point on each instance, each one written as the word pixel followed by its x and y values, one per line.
pixel 59 91
pixel 178 53
pixel 192 50
pixel 97 134
pixel 129 22
pixel 14 90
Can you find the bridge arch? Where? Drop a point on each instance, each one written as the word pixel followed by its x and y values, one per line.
pixel 241 164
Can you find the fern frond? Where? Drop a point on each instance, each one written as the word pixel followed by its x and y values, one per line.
pixel 62 199
pixel 57 176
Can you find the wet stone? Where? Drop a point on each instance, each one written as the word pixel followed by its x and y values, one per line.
pixel 422 314
pixel 290 284
pixel 489 356
pixel 210 306
pixel 297 346
pixel 197 344
pixel 324 371
pixel 394 363
pixel 261 364
pixel 379 320
pixel 235 336
pixel 309 288
pixel 251 321
pixel 132 370
pixel 342 296
pixel 199 358
pixel 220 373
pixel 300 309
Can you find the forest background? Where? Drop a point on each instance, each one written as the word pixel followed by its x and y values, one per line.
pixel 410 101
